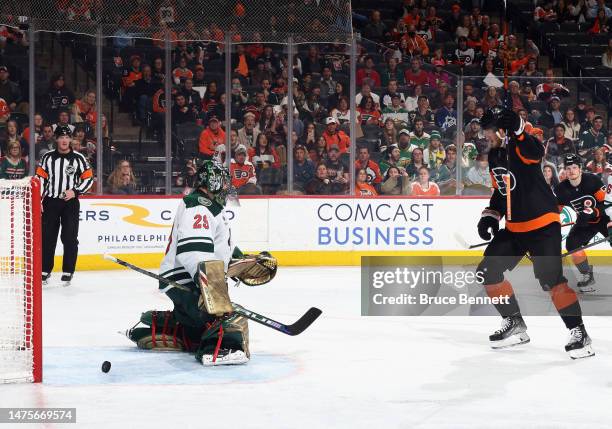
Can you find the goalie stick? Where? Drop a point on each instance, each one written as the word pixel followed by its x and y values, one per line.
pixel 294 329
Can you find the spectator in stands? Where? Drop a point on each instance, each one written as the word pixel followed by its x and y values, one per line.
pixel 553 114
pixel 599 165
pixel 422 112
pixel 38 123
pixel 10 134
pixel 463 55
pixel 266 119
pixel 463 30
pixel 332 100
pixel 446 116
pixel 181 72
pixel 366 91
pixel 434 154
pixel 13 166
pixel 241 62
pixel 606 58
pixel 423 186
pixel 411 102
pixel 491 98
pixel 531 74
pixel 479 173
pixel 10 91
pixel 211 97
pixel 318 152
pixel 309 137
pixel 392 72
pixel 192 97
pixel 417 161
pixel 122 180
pixel 415 75
pixel 144 90
pixel 260 72
pixel 390 159
pixel 321 184
pixel 199 78
pixel 129 76
pixel 248 134
pixel 396 112
pixel 415 45
pixel 337 171
pixel 303 168
pixel 239 98
pixel 364 162
pixel 593 138
pixel 418 136
pixel 589 116
pixel 334 136
pixel 395 182
pixel 389 133
pixel 47 141
pixel 58 97
pixel 558 145
pixel 392 89
pixel 84 110
pixel 550 175
pixel 362 187
pixel 181 112
pixel 312 62
pixel 595 7
pixel 368 114
pixel 375 30
pixel 210 137
pixel 438 75
pixel 571 124
pixel 518 101
pixel 405 148
pixel 550 88
pixel 367 74
pixel 242 170
pixel 342 113
pixel 262 154
pixel 5 111
pixel 450 164
pixel 327 84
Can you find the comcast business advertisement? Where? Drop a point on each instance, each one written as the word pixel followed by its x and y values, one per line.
pixel 126 225
pixel 142 225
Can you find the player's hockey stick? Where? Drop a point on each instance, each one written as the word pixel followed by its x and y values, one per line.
pixel 294 329
pixel 465 244
pixel 586 246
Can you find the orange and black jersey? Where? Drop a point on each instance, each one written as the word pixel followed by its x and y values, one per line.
pixel 590 193
pixel 532 203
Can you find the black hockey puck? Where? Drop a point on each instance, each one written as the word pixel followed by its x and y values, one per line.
pixel 106 366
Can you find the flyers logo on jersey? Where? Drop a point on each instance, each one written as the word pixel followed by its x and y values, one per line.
pixel 241 174
pixel 586 202
pixel 498 176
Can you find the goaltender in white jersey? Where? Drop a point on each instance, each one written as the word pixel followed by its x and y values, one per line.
pixel 198 257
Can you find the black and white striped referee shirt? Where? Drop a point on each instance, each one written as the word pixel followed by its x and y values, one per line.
pixel 61 172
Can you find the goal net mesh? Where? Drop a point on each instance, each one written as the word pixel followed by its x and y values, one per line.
pixel 16 281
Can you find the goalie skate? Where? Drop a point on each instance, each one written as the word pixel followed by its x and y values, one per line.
pixel 579 344
pixel 513 332
pixel 225 357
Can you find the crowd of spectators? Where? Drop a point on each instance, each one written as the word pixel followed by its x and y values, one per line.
pixel 406 118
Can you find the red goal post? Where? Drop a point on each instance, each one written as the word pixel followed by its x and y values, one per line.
pixel 20 281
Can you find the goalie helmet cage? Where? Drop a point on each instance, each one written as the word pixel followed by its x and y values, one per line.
pixel 20 281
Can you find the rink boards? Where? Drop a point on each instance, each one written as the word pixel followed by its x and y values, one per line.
pixel 298 230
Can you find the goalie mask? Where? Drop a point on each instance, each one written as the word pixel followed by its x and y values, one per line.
pixel 216 179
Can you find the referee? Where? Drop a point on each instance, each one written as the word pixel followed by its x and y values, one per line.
pixel 64 175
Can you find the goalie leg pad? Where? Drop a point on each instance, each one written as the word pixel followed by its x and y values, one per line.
pixel 161 332
pixel 234 334
pixel 214 298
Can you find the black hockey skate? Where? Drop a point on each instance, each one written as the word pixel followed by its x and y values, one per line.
pixel 45 278
pixel 585 285
pixel 513 332
pixel 579 344
pixel 66 279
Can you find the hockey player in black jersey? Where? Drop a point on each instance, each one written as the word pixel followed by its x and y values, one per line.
pixel 585 193
pixel 532 226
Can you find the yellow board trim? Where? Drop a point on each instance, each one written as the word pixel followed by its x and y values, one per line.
pixel 301 258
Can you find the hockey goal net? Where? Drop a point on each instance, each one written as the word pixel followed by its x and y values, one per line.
pixel 20 281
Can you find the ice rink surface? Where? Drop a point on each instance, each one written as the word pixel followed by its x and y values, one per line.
pixel 345 371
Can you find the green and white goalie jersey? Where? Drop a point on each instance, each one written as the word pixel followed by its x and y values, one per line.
pixel 200 232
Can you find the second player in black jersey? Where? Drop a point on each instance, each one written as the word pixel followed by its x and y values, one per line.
pixel 585 194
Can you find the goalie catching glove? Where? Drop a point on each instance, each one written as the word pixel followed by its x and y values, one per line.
pixel 253 270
